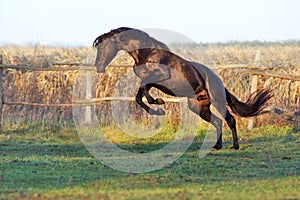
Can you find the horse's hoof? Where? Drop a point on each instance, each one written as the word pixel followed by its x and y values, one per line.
pixel 216 147
pixel 157 112
pixel 235 147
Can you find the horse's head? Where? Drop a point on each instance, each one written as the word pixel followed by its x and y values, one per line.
pixel 106 51
pixel 107 48
pixel 123 38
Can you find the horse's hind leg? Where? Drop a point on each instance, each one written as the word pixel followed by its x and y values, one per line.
pixel 139 96
pixel 216 122
pixel 202 108
pixel 232 125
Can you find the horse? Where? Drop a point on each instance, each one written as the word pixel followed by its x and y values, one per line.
pixel 158 67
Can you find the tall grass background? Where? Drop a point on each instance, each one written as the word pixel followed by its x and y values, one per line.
pixel 57 87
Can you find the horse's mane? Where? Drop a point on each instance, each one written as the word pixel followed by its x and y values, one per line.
pixel 104 36
pixel 100 38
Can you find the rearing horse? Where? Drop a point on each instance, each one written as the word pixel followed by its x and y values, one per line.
pixel 158 67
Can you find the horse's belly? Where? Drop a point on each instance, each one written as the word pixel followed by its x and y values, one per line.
pixel 176 87
pixel 167 79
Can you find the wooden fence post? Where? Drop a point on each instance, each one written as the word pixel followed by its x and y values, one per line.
pixel 88 96
pixel 1 93
pixel 253 89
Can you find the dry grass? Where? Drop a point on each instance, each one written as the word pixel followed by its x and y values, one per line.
pixel 57 87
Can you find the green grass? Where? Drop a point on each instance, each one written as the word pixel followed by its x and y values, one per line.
pixel 43 165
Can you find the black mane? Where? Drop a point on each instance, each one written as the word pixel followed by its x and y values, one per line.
pixel 99 39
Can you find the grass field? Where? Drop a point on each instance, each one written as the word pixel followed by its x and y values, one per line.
pixel 41 165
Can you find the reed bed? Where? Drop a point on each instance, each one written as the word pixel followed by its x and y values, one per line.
pixel 48 87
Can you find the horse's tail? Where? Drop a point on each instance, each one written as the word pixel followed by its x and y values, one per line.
pixel 252 107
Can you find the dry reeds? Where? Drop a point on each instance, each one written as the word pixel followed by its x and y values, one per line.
pixel 57 87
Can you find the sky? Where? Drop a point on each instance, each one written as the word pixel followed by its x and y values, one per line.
pixel 78 23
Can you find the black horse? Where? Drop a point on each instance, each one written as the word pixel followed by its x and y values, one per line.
pixel 158 67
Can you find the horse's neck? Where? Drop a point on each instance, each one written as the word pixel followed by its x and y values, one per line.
pixel 140 48
pixel 140 56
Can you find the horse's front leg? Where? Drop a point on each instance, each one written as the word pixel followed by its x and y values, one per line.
pixel 149 98
pixel 139 99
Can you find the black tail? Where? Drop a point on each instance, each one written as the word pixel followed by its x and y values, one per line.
pixel 252 107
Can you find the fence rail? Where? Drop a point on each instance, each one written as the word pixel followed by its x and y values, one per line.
pixel 255 72
pixel 86 67
pixel 276 75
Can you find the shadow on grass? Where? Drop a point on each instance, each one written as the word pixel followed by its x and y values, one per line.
pixel 26 165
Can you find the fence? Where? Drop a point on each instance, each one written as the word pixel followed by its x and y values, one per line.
pixel 254 79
